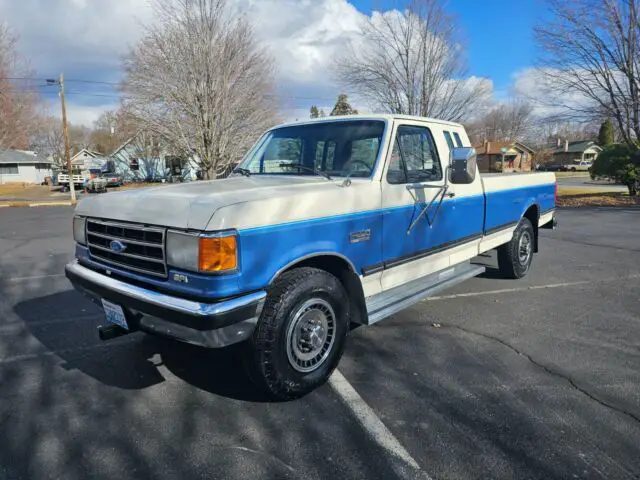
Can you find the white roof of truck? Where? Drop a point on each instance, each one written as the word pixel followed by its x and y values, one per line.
pixel 374 116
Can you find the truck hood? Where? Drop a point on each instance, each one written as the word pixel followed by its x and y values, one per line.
pixel 191 205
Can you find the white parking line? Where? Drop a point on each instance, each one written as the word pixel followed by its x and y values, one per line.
pixel 51 204
pixel 524 289
pixel 370 421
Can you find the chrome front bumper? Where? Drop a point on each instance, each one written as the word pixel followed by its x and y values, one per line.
pixel 212 325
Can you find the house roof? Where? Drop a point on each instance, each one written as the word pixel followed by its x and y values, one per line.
pixel 495 148
pixel 577 147
pixel 87 152
pixel 15 156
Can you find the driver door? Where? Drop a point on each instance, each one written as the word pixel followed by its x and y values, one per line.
pixel 414 179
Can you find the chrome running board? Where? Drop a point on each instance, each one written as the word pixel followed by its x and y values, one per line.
pixel 398 298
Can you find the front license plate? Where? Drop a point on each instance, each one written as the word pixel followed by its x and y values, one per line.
pixel 114 314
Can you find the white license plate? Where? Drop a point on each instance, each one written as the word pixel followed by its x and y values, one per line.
pixel 114 314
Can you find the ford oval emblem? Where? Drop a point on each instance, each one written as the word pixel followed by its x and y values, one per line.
pixel 117 247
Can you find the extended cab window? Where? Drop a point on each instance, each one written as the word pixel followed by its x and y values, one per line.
pixel 447 137
pixel 414 157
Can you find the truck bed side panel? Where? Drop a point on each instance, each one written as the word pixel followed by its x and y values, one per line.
pixel 509 196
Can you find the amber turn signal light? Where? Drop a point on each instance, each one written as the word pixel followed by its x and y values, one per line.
pixel 217 254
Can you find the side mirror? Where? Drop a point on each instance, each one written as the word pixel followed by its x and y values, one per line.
pixel 463 165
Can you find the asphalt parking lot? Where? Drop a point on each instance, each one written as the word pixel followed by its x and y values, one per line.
pixel 538 378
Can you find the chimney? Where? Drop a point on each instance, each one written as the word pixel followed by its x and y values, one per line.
pixel 566 145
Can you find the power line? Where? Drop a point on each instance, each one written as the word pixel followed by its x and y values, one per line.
pixel 100 82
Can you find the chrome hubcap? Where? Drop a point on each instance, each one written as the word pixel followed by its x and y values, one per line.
pixel 311 335
pixel 524 248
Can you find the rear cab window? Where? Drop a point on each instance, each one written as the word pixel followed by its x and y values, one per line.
pixel 458 141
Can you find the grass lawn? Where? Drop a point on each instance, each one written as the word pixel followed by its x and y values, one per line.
pixel 19 190
pixel 572 174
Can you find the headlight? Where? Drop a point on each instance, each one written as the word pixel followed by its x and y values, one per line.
pixel 202 253
pixel 79 232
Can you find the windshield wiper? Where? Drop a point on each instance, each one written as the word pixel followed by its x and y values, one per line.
pixel 304 167
pixel 242 171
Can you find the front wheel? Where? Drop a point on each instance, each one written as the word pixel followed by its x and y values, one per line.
pixel 301 333
pixel 515 257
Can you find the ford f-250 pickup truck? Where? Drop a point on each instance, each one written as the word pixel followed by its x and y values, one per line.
pixel 323 224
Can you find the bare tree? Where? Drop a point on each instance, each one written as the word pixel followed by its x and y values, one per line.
pixel 591 60
pixel 199 80
pixel 512 121
pixel 411 63
pixel 51 140
pixel 18 102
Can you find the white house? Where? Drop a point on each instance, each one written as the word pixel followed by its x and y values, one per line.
pixel 17 166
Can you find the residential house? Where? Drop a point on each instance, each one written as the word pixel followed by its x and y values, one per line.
pixel 79 159
pixel 504 157
pixel 143 158
pixel 17 166
pixel 569 152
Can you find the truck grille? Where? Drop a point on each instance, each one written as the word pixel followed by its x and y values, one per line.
pixel 144 246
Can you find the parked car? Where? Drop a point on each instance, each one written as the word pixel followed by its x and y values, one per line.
pixel 580 166
pixel 113 179
pixel 367 219
pixel 553 167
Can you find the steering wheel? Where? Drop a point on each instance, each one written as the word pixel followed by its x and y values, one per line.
pixel 357 162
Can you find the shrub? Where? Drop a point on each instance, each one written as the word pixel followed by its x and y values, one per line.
pixel 620 163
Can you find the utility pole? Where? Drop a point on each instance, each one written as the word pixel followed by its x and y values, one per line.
pixel 65 134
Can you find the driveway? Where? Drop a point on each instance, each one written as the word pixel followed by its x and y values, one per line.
pixel 538 378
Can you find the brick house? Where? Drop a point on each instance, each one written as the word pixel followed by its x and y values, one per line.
pixel 504 157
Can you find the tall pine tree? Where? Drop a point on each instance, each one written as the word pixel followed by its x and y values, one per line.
pixel 343 107
pixel 314 111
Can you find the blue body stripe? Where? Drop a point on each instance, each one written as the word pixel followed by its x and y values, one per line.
pixel 265 250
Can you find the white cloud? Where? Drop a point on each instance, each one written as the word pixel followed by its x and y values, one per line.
pixel 87 38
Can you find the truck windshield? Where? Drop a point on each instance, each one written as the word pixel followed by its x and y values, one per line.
pixel 338 149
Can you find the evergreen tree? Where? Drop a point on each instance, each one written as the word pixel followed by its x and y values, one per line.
pixel 343 107
pixel 322 113
pixel 606 135
pixel 314 111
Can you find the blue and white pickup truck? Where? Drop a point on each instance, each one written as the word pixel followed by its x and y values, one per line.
pixel 325 223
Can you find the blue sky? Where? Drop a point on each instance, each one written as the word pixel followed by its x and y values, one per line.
pixel 498 35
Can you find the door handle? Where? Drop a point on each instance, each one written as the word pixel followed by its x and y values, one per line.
pixel 451 194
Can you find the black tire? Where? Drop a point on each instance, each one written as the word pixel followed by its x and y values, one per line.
pixel 513 261
pixel 299 298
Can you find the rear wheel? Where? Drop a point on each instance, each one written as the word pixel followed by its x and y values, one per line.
pixel 515 257
pixel 301 333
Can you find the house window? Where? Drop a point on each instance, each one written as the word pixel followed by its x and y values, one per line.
pixel 133 165
pixel 9 169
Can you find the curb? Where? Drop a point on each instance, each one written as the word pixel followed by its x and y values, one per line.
pixel 37 204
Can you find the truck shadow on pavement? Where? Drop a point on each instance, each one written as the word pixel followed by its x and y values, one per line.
pixel 65 324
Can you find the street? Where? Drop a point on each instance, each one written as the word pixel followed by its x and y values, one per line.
pixel 537 378
pixel 588 184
